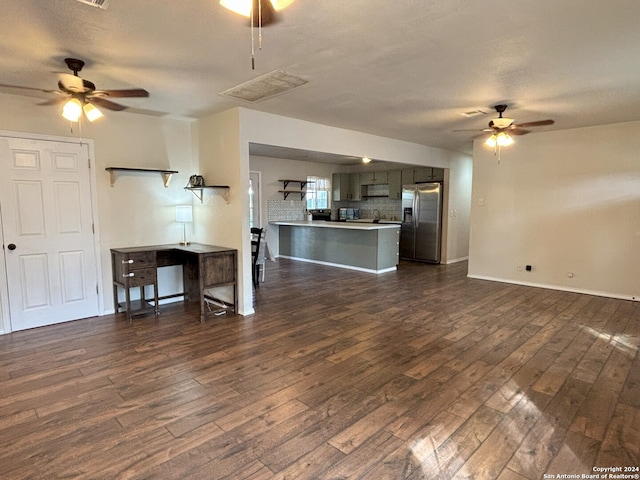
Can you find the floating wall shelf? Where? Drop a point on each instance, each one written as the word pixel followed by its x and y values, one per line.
pixel 166 174
pixel 198 192
pixel 301 191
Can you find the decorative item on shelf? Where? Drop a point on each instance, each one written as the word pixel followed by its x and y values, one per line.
pixel 184 215
pixel 196 181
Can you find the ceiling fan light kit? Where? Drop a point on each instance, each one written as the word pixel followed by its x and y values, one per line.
pixel 72 110
pixel 92 112
pixel 244 7
pixel 502 139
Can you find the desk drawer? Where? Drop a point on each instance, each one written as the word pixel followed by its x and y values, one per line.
pixel 141 277
pixel 141 260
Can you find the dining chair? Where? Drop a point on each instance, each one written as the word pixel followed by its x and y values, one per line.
pixel 256 237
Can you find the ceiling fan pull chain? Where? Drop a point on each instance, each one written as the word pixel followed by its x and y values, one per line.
pixel 253 50
pixel 259 24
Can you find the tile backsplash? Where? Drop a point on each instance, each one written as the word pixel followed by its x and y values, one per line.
pixel 285 210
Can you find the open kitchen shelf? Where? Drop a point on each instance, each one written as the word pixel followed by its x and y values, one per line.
pixel 301 191
pixel 166 174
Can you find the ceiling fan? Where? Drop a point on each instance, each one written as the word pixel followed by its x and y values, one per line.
pixel 261 13
pixel 501 128
pixel 80 95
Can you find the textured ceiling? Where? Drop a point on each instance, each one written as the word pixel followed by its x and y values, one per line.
pixel 402 69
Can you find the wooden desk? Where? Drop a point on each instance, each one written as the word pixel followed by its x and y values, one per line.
pixel 203 267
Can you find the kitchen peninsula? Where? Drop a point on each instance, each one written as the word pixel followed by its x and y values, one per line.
pixel 367 247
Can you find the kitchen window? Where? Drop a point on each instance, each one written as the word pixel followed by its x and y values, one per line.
pixel 318 189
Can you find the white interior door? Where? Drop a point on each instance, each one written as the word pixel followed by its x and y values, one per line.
pixel 45 197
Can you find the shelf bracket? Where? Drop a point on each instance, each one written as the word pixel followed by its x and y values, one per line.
pixel 166 178
pixel 198 192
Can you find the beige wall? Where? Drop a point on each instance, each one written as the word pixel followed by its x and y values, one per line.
pixel 563 202
pixel 458 208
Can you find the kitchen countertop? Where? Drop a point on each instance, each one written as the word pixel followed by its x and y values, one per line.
pixel 359 225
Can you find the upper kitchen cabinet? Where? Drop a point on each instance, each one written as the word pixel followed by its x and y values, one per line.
pixel 438 175
pixel 356 191
pixel 373 178
pixel 395 184
pixel 422 175
pixel 345 186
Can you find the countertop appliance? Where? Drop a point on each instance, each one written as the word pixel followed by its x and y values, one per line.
pixel 321 214
pixel 348 213
pixel 421 231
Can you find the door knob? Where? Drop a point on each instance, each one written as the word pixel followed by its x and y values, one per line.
pixel 11 246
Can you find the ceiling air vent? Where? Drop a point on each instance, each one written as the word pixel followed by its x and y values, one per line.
pixel 265 86
pixel 96 3
pixel 473 113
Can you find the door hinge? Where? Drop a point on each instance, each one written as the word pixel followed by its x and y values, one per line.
pixel 93 228
pixel 89 163
pixel 97 292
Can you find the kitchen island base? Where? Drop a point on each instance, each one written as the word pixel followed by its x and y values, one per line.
pixel 369 248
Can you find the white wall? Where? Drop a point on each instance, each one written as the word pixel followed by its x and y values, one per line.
pixel 224 160
pixel 458 209
pixel 564 201
pixel 137 210
pixel 281 131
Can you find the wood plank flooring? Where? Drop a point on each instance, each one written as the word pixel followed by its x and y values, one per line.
pixel 418 374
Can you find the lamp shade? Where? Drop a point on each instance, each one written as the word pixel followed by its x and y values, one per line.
pixel 92 112
pixel 243 7
pixel 72 110
pixel 502 139
pixel 184 213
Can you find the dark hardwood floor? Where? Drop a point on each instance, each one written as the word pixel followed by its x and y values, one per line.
pixel 418 374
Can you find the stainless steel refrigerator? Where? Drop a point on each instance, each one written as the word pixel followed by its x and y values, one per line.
pixel 420 234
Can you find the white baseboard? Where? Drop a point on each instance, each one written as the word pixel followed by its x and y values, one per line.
pixel 456 260
pixel 559 288
pixel 339 265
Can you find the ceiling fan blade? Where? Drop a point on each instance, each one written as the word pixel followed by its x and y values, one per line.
pixel 474 130
pixel 518 131
pixel 132 92
pixel 53 101
pixel 539 123
pixel 108 104
pixel 19 87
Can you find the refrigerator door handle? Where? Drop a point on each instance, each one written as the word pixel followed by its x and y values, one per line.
pixel 416 206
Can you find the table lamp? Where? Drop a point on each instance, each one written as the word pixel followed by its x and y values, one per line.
pixel 184 214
